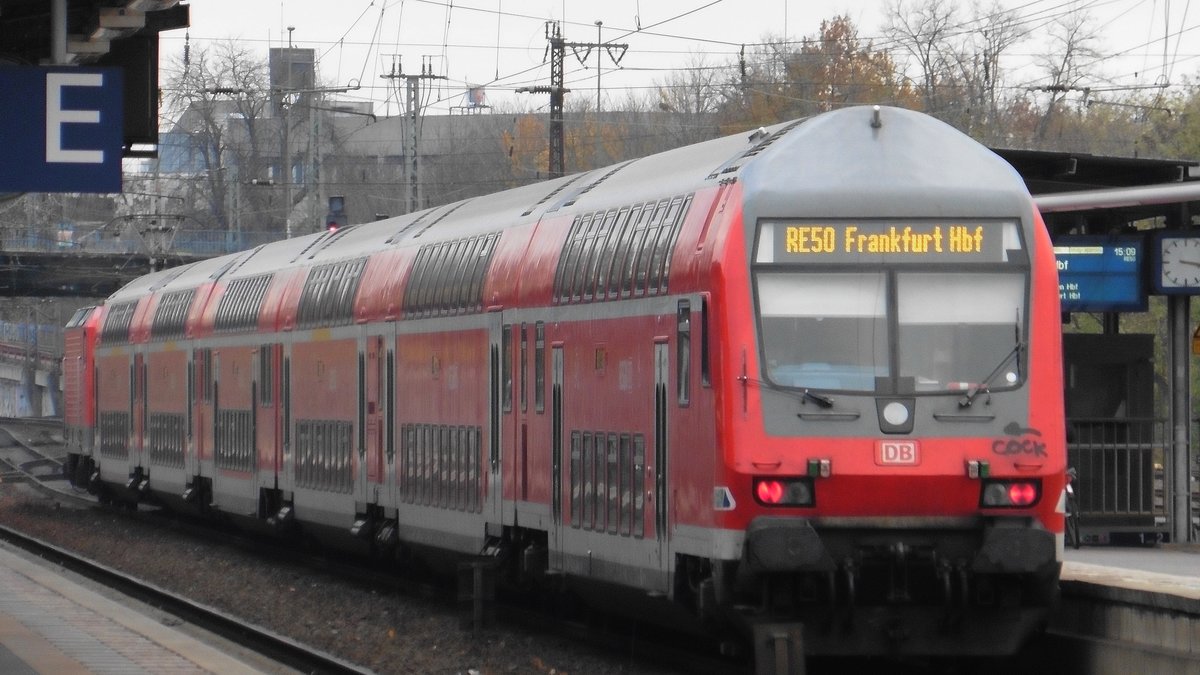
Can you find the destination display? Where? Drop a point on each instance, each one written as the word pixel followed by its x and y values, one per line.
pixel 886 241
pixel 1100 274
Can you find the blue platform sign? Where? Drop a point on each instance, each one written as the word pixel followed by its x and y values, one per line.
pixel 60 129
pixel 1100 273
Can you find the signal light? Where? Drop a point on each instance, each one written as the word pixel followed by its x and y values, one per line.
pixel 1010 494
pixel 1022 494
pixel 783 491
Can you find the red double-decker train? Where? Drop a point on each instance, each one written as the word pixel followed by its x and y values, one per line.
pixel 806 376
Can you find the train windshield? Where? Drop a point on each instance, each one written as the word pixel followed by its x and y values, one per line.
pixel 885 324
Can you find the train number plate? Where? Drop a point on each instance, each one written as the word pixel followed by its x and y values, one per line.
pixel 897 453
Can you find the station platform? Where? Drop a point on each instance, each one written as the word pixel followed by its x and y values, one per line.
pixel 1169 569
pixel 50 623
pixel 1130 610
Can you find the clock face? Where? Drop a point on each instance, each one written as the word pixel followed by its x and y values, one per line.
pixel 1180 262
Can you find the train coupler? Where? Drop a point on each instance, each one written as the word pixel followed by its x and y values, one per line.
pixel 283 518
pixel 779 649
pixel 387 536
pixel 362 528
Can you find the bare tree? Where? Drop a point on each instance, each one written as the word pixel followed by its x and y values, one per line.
pixel 996 31
pixel 925 30
pixel 1074 45
pixel 220 98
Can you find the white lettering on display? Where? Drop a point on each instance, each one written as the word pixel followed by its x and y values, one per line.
pixel 56 116
pixel 897 452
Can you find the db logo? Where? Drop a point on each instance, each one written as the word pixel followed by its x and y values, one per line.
pixel 889 453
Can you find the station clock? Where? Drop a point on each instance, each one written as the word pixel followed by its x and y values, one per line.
pixel 1178 263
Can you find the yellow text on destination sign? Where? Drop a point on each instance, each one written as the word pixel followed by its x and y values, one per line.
pixel 818 239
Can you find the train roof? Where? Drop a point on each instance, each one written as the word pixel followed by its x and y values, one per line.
pixel 822 162
pixel 870 160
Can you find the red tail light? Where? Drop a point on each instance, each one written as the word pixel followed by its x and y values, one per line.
pixel 1010 493
pixel 784 491
pixel 1022 494
pixel 769 491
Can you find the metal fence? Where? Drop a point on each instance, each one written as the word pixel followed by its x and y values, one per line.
pixel 168 240
pixel 1123 476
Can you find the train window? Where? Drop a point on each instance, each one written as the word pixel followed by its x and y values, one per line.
pixel 266 375
pixel 570 258
pixel 456 257
pixel 953 328
pixel 639 494
pixel 683 352
pixel 539 367
pixel 595 288
pixel 593 250
pixel 524 367
pixel 621 251
pixel 576 479
pixel 705 374
pixel 416 278
pixel 660 268
pixel 442 265
pixel 351 276
pixel 588 478
pixel 629 265
pixel 627 477
pixel 613 496
pixel 116 323
pixel 481 256
pixel 843 319
pixel 646 250
pixel 477 266
pixel 579 267
pixel 506 369
pixel 466 261
pixel 604 286
pixel 171 313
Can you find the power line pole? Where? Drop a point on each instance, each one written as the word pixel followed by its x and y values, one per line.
pixel 413 190
pixel 557 50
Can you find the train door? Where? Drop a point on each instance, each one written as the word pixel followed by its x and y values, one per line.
pixel 495 483
pixel 191 462
pixel 662 371
pixel 370 416
pixel 391 495
pixel 137 404
pixel 203 415
pixel 265 418
pixel 287 475
pixel 556 444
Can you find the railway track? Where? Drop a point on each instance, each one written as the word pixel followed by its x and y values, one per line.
pixel 648 647
pixel 36 466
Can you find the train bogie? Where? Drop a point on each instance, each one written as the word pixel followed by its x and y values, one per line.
pixel 804 376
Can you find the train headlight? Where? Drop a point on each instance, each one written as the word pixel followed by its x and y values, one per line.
pixel 1010 493
pixel 783 491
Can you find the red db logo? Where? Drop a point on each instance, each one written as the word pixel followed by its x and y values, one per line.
pixel 892 453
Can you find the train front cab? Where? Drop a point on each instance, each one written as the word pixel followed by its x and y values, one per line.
pixel 895 441
pixel 78 368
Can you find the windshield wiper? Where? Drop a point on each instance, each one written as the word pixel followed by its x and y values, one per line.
pixel 818 398
pixel 969 398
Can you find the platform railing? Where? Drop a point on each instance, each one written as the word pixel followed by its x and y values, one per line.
pixel 1123 483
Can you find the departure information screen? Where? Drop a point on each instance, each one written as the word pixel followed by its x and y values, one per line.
pixel 1100 273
